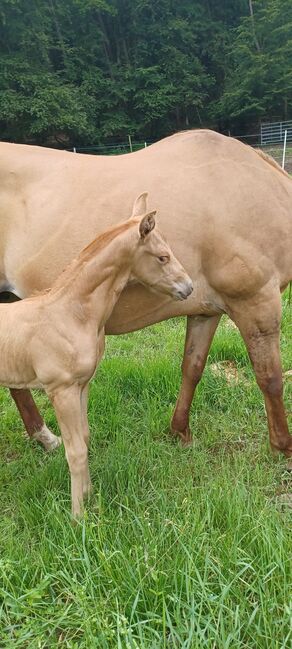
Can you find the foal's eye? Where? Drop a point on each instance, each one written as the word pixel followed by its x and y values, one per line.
pixel 163 259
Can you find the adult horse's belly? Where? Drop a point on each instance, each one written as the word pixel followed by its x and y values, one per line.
pixel 137 307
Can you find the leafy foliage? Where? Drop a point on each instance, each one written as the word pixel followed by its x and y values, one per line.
pixel 81 71
pixel 259 81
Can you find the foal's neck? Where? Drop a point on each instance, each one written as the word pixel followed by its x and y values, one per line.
pixel 93 282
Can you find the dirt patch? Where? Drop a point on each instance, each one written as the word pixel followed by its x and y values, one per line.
pixel 228 447
pixel 11 456
pixel 229 371
pixel 284 501
pixel 230 324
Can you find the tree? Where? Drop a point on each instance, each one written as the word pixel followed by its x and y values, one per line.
pixel 82 71
pixel 259 80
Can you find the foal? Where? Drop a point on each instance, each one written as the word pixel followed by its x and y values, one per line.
pixel 55 340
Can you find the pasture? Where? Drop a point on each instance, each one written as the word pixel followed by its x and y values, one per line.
pixel 179 548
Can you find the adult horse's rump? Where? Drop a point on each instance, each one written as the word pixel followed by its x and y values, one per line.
pixel 227 213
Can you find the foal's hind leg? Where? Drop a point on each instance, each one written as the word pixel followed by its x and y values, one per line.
pixel 68 407
pixel 34 423
pixel 259 324
pixel 200 332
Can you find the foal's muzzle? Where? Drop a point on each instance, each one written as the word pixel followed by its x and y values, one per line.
pixel 183 290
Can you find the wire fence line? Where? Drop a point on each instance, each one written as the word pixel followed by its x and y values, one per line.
pixel 253 139
pixel 276 152
pixel 111 149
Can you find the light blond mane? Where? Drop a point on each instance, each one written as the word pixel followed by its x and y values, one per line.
pixel 271 161
pixel 104 239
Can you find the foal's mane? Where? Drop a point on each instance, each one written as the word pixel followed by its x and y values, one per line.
pixel 98 244
pixel 104 239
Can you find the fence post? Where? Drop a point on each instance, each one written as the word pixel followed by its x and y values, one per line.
pixel 130 143
pixel 284 149
pixel 74 149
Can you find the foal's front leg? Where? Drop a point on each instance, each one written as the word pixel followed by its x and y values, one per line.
pixel 68 407
pixel 87 486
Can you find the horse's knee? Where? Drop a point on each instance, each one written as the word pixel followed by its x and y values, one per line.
pixel 77 460
pixel 193 370
pixel 271 385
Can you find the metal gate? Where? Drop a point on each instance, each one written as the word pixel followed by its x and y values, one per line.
pixel 274 132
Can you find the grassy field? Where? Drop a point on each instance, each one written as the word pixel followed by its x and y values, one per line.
pixel 179 548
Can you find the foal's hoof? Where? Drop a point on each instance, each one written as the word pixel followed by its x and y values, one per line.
pixel 47 439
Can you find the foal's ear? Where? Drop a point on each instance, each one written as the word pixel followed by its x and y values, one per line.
pixel 140 205
pixel 147 224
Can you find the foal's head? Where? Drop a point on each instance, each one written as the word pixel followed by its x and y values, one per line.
pixel 154 263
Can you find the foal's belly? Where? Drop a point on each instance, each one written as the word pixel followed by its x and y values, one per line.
pixel 15 370
pixel 12 375
pixel 22 385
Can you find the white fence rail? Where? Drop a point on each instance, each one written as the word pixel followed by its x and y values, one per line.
pixel 274 132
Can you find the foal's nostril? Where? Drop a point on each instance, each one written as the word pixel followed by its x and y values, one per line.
pixel 190 287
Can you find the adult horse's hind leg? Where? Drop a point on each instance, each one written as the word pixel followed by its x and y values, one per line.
pixel 200 332
pixel 34 423
pixel 259 324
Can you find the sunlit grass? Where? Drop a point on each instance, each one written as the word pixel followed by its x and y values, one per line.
pixel 179 548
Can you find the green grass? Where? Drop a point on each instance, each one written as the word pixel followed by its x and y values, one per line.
pixel 179 548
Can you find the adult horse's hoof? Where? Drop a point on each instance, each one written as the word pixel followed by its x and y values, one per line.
pixel 185 436
pixel 289 466
pixel 47 439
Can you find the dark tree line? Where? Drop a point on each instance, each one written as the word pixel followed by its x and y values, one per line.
pixel 84 71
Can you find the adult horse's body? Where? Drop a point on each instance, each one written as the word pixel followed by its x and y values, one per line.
pixel 227 213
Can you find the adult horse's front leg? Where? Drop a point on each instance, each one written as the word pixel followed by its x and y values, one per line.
pixel 34 423
pixel 259 324
pixel 199 335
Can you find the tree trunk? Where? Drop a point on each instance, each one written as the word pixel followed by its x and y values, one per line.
pixel 253 26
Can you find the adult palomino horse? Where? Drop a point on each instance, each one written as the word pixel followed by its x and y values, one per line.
pixel 54 340
pixel 227 214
